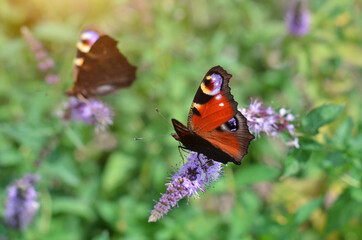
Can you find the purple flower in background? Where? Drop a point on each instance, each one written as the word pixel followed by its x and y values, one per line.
pixel 21 205
pixel 197 174
pixel 51 78
pixel 269 121
pixel 91 111
pixel 45 63
pixel 298 18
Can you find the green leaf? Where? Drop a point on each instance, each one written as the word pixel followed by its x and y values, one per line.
pixel 108 211
pixel 257 173
pixel 117 170
pixel 27 134
pixel 291 166
pixel 9 156
pixel 356 194
pixel 64 169
pixel 304 212
pixel 302 155
pixel 350 53
pixel 342 211
pixel 356 145
pixel 335 159
pixel 73 206
pixel 54 32
pixel 309 144
pixel 103 236
pixel 344 131
pixel 320 116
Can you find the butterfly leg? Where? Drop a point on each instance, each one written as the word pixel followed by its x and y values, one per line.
pixel 181 148
pixel 82 98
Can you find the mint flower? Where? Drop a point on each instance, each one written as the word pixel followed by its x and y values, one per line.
pixel 45 62
pixel 269 121
pixel 90 111
pixel 21 205
pixel 198 174
pixel 298 18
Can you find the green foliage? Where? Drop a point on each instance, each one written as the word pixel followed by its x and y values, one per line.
pixel 102 187
pixel 256 173
pixel 319 117
pixel 304 212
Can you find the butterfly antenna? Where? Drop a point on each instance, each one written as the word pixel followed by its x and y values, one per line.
pixel 143 138
pixel 158 111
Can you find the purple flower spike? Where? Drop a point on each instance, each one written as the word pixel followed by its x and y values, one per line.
pixel 45 63
pixel 91 111
pixel 298 18
pixel 269 121
pixel 21 205
pixel 196 175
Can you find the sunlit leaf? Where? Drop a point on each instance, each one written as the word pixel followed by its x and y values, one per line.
pixel 350 53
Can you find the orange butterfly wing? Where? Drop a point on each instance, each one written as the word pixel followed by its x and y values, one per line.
pixel 214 116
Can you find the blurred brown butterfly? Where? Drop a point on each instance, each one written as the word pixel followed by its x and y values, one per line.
pixel 99 68
pixel 215 127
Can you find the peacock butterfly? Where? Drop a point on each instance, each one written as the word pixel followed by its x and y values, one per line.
pixel 99 67
pixel 215 127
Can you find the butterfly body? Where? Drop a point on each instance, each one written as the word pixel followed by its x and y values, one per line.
pixel 215 127
pixel 100 68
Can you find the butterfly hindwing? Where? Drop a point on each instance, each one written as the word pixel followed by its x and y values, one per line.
pixel 233 137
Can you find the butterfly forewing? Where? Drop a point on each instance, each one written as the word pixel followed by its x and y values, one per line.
pixel 213 103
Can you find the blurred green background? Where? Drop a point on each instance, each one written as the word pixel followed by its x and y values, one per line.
pixel 102 186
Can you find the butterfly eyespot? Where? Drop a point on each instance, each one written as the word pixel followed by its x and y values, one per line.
pixel 212 84
pixel 232 124
pixel 87 39
pixel 90 36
